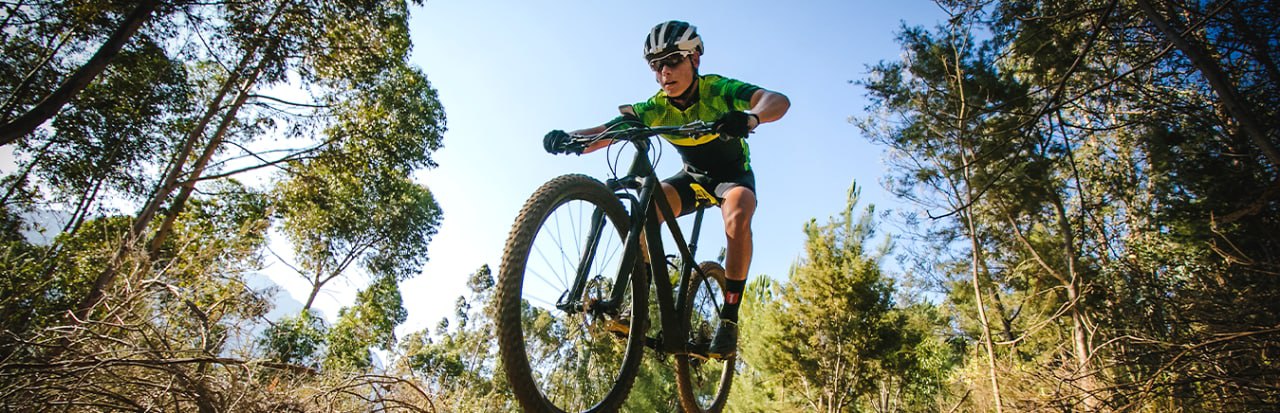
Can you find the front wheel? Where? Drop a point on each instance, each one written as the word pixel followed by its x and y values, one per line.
pixel 567 349
pixel 704 383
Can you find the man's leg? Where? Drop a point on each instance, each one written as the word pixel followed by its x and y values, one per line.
pixel 673 198
pixel 738 207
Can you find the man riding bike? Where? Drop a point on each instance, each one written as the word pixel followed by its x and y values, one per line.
pixel 717 167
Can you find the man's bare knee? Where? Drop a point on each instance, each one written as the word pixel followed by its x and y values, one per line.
pixel 673 198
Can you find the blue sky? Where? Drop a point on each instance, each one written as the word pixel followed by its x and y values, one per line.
pixel 509 71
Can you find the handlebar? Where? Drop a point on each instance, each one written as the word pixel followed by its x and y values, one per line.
pixel 633 131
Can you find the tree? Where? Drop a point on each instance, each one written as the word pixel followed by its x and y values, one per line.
pixel 369 323
pixel 355 203
pixel 460 366
pixel 77 81
pixel 168 129
pixel 296 339
pixel 756 386
pixel 268 36
pixel 1091 156
pixel 837 322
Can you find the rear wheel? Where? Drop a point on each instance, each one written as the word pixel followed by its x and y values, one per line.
pixel 704 383
pixel 566 352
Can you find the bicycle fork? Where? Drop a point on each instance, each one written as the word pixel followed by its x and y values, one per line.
pixel 569 301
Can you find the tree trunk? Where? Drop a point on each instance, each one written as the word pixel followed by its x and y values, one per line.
pixel 1219 81
pixel 49 106
pixel 188 186
pixel 161 193
pixel 169 183
pixel 311 298
pixel 967 201
pixel 1079 324
pixel 1006 321
pixel 976 263
pixel 976 256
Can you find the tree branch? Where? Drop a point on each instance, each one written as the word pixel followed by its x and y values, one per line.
pixel 51 104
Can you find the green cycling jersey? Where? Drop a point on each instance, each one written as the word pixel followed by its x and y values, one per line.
pixel 717 95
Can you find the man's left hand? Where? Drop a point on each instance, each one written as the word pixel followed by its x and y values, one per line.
pixel 736 124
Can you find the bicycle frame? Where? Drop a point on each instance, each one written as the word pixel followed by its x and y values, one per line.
pixel 642 178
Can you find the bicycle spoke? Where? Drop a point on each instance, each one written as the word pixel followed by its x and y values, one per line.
pixel 704 382
pixel 574 360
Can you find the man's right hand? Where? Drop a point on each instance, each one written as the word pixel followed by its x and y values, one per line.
pixel 557 142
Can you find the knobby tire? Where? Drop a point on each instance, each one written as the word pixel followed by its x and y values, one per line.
pixel 516 312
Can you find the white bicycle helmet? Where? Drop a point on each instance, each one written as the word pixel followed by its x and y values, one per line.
pixel 671 37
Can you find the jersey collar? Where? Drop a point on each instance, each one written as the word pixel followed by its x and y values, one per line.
pixel 690 96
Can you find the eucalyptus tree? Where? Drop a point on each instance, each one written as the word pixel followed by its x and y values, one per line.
pixel 364 91
pixel 94 148
pixel 368 323
pixel 939 111
pixel 215 122
pixel 354 202
pixel 459 364
pixel 26 123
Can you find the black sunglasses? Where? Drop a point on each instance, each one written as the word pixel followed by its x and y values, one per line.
pixel 672 60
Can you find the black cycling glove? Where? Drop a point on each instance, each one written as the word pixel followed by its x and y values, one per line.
pixel 557 142
pixel 734 124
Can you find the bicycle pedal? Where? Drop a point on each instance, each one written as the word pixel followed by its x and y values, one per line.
pixel 699 356
pixel 619 328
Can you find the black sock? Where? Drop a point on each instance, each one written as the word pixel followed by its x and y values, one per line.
pixel 732 297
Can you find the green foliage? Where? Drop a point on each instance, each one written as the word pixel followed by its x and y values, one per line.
pixel 295 339
pixel 831 338
pixel 758 387
pixel 391 125
pixel 369 323
pixel 460 367
pixel 335 217
pixel 37 289
pixel 837 323
pixel 169 130
pixel 118 124
pixel 220 235
pixel 355 200
pixel 1104 195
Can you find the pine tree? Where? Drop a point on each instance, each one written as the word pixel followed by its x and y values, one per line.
pixel 837 321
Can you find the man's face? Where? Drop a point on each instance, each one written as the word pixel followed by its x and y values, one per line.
pixel 674 73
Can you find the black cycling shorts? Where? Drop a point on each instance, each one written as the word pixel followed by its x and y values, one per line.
pixel 701 190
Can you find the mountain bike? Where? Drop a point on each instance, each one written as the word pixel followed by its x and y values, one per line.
pixel 574 284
